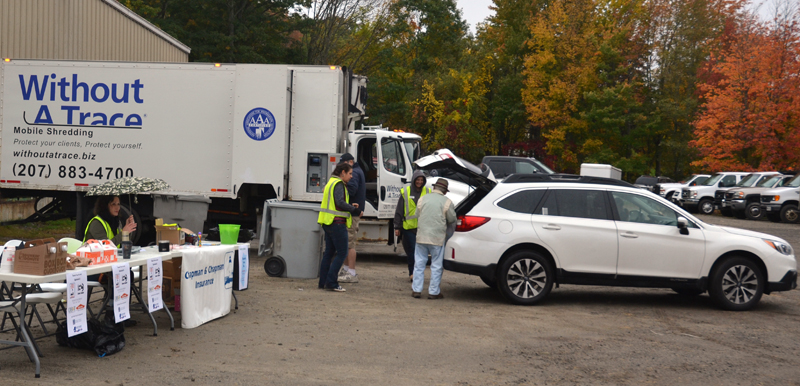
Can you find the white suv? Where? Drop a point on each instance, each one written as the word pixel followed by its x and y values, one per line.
pixel 531 231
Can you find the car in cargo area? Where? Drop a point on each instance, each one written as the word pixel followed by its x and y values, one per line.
pixel 530 231
pixel 748 181
pixel 781 204
pixel 701 197
pixel 503 166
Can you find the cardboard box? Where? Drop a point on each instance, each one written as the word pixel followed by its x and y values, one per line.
pixel 166 290
pixel 99 252
pixel 41 257
pixel 171 233
pixel 172 268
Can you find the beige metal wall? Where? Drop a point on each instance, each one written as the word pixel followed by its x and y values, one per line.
pixel 78 30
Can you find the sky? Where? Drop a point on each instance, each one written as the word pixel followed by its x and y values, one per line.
pixel 476 11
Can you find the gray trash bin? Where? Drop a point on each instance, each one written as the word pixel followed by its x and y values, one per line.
pixel 295 237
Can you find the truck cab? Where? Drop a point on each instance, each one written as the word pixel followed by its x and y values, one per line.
pixel 781 204
pixel 701 197
pixel 387 158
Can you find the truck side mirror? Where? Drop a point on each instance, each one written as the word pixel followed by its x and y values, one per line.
pixel 404 180
pixel 683 225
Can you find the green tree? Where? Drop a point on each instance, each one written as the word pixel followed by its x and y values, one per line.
pixel 229 31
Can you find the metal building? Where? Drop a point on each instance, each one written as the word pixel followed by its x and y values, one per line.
pixel 83 30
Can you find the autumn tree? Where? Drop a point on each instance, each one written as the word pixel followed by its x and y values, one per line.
pixel 750 117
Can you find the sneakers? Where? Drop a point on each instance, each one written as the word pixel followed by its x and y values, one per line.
pixel 342 271
pixel 439 296
pixel 415 295
pixel 347 278
pixel 337 289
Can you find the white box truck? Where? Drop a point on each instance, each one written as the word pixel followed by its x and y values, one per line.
pixel 601 170
pixel 225 137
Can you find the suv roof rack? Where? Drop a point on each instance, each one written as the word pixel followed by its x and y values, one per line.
pixel 572 178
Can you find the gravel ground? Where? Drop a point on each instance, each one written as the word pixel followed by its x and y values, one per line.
pixel 288 332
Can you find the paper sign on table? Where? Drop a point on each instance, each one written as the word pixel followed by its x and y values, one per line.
pixel 76 303
pixel 122 291
pixel 244 265
pixel 154 283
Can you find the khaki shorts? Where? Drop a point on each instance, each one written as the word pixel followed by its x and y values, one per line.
pixel 352 232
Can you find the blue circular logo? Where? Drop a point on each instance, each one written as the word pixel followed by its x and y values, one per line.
pixel 259 124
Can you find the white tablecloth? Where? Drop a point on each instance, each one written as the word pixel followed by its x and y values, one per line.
pixel 206 284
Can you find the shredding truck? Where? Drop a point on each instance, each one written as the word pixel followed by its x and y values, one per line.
pixel 225 137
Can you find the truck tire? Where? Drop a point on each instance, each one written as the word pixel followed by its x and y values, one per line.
pixel 790 214
pixel 754 211
pixel 705 206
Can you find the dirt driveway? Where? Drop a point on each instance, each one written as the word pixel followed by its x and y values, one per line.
pixel 288 332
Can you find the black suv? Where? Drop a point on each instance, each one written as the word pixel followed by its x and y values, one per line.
pixel 503 166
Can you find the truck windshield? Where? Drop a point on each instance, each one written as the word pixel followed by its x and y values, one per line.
pixel 794 182
pixel 748 180
pixel 542 166
pixel 713 180
pixel 413 149
pixel 769 182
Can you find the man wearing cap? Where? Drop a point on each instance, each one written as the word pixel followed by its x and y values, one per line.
pixel 357 188
pixel 436 212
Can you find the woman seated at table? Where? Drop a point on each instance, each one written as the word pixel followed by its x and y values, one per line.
pixel 105 224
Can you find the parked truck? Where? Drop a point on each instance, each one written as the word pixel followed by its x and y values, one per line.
pixel 225 137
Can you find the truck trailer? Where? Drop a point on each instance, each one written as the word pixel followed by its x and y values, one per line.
pixel 225 137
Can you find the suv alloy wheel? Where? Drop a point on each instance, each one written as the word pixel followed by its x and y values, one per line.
pixel 525 278
pixel 737 284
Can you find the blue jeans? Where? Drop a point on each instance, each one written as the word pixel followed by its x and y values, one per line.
pixel 335 242
pixel 409 243
pixel 420 258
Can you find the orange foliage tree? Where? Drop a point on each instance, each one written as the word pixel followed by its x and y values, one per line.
pixel 750 116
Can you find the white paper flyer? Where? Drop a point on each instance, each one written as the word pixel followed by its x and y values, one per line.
pixel 154 282
pixel 244 266
pixel 122 291
pixel 76 303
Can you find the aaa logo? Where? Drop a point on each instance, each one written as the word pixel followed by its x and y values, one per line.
pixel 259 124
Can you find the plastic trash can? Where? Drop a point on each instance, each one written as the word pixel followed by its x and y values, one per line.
pixel 296 238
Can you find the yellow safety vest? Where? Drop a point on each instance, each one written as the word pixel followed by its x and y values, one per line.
pixel 327 209
pixel 109 234
pixel 410 220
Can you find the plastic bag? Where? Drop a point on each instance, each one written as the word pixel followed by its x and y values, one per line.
pixel 104 338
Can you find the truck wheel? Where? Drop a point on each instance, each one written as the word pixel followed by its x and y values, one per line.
pixel 737 284
pixel 705 206
pixel 753 211
pixel 790 214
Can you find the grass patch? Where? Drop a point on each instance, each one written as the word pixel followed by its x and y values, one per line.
pixel 38 230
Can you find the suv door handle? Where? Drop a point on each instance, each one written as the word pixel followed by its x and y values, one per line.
pixel 552 227
pixel 629 235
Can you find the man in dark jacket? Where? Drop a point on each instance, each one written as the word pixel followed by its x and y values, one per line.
pixel 357 188
pixel 405 216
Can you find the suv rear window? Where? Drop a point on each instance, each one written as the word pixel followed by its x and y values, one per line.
pixel 525 201
pixel 575 203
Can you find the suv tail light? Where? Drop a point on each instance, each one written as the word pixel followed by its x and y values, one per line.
pixel 468 223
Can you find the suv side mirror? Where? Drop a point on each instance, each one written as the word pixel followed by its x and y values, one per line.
pixel 683 225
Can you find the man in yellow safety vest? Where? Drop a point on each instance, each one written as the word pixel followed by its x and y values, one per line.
pixel 405 216
pixel 335 216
